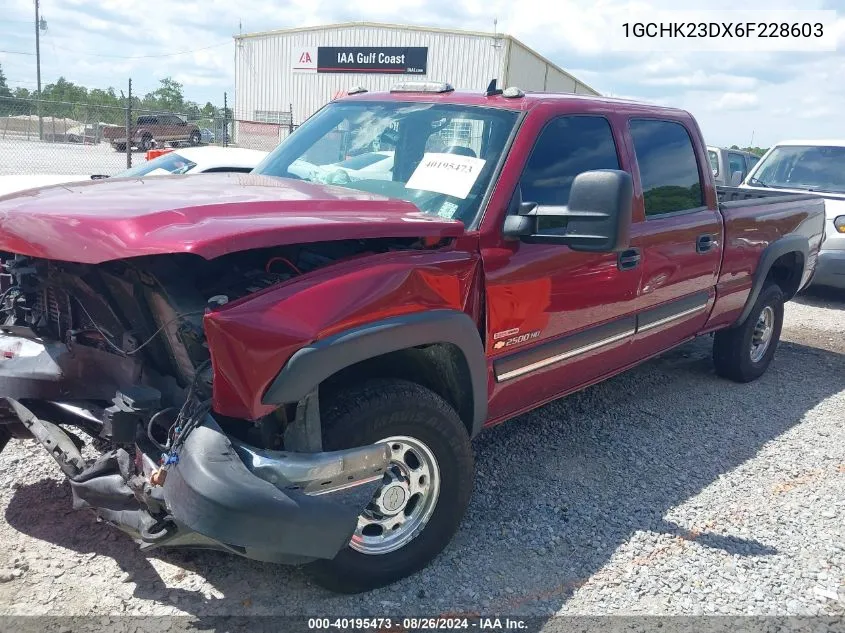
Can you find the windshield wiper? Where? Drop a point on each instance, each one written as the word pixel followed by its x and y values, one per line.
pixel 757 181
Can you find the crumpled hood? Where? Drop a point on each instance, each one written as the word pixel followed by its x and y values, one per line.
pixel 206 214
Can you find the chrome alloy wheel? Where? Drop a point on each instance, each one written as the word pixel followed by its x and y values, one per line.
pixel 762 335
pixel 405 501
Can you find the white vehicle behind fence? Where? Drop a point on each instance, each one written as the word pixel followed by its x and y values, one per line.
pixel 189 160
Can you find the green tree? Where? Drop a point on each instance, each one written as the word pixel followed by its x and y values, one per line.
pixel 4 87
pixel 7 105
pixel 168 97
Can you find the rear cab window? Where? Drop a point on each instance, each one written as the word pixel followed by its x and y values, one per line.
pixel 737 163
pixel 671 182
pixel 567 146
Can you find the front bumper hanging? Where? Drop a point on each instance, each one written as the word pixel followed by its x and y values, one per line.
pixel 273 506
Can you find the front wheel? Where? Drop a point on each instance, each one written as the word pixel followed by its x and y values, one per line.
pixel 743 353
pixel 423 495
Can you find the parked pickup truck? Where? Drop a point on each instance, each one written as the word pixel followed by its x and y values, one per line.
pixel 293 372
pixel 151 129
pixel 730 166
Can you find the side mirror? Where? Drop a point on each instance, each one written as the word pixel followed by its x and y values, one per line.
pixel 597 218
pixel 736 178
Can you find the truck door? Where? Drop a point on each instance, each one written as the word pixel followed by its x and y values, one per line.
pixel 679 234
pixel 557 319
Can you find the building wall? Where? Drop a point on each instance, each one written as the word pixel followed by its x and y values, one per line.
pixel 264 80
pixel 531 72
pixel 525 69
pixel 269 95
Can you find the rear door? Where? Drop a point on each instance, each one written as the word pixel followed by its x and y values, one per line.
pixel 678 234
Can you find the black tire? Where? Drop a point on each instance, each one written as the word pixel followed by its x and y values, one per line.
pixel 194 139
pixel 369 413
pixel 146 144
pixel 732 347
pixel 120 147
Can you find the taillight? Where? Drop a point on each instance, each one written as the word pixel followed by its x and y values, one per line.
pixel 839 223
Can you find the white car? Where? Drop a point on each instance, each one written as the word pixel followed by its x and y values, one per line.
pixel 188 160
pixel 817 167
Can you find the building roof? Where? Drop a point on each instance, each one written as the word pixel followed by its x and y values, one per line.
pixel 409 27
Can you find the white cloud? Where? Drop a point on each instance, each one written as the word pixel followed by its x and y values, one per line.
pixel 735 101
pixel 701 79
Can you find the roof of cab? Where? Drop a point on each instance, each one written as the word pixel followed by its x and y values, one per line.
pixel 526 102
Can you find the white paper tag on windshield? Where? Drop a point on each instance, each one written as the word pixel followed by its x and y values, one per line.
pixel 451 174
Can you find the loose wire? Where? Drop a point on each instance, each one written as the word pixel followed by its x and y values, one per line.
pixel 273 260
pixel 108 340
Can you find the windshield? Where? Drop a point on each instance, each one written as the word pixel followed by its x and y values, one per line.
pixel 363 160
pixel 816 168
pixel 170 163
pixel 442 156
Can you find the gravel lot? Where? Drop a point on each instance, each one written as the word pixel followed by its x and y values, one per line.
pixel 19 156
pixel 662 491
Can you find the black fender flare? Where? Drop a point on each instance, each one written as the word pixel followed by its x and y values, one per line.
pixel 790 243
pixel 311 365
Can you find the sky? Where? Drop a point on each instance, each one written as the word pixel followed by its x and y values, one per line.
pixel 736 96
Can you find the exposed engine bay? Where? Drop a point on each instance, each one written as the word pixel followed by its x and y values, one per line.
pixel 148 311
pixel 117 350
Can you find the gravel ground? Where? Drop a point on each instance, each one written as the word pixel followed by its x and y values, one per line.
pixel 19 156
pixel 663 491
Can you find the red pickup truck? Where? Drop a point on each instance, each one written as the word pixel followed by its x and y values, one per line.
pixel 293 371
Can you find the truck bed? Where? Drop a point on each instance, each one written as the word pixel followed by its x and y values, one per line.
pixel 756 219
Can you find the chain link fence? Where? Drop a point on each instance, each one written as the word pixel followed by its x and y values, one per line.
pixel 64 138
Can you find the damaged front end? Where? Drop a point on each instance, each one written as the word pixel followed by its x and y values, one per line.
pixel 117 353
pixel 215 492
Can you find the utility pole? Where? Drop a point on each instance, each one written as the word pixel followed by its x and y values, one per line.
pixel 129 127
pixel 225 120
pixel 38 69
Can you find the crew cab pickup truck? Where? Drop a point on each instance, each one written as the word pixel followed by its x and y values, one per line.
pixel 150 129
pixel 293 371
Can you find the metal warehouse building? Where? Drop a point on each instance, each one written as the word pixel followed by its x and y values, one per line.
pixel 283 77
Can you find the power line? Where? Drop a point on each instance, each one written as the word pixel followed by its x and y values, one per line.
pixel 16 52
pixel 195 50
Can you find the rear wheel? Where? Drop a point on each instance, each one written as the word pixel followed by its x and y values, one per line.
pixel 146 144
pixel 120 147
pixel 743 353
pixel 195 138
pixel 423 494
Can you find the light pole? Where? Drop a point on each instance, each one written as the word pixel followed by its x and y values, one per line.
pixel 40 25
